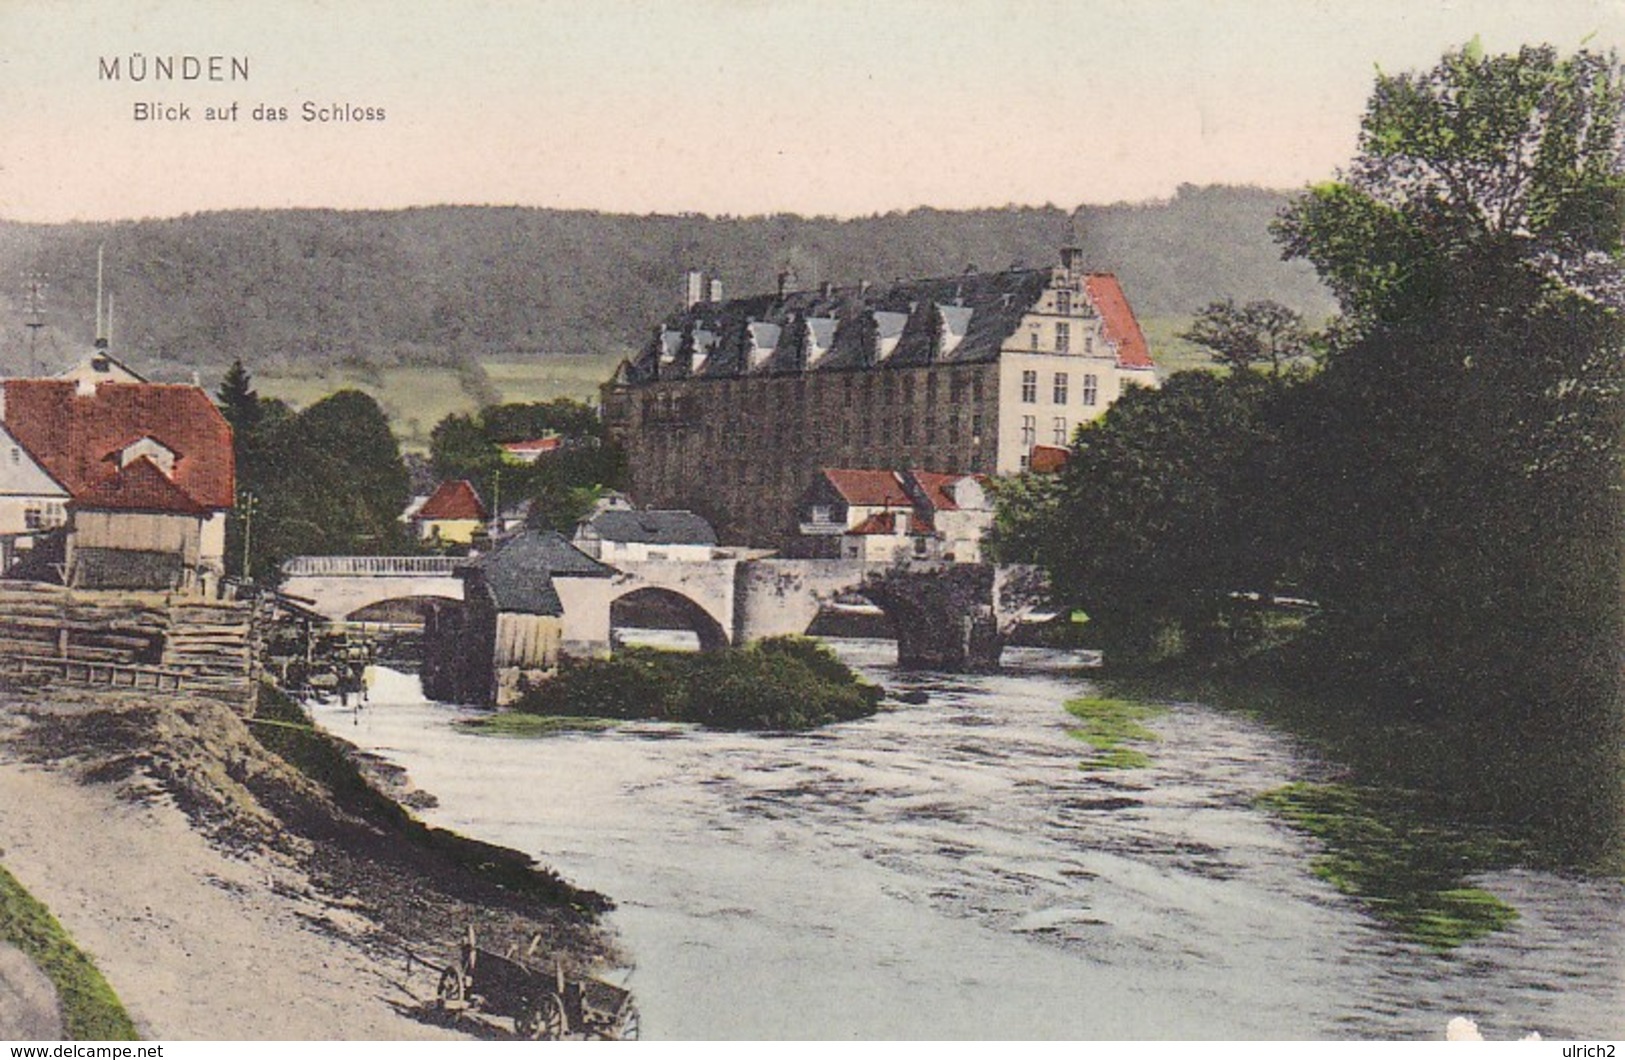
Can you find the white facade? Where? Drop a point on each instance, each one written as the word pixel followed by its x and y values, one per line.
pixel 1059 369
pixel 31 501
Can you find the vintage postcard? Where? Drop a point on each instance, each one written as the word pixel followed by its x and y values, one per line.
pixel 811 519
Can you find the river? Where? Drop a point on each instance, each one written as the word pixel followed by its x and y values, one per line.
pixel 945 870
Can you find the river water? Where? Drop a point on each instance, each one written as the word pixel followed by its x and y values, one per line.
pixel 946 870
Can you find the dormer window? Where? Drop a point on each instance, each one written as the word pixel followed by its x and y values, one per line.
pixel 154 450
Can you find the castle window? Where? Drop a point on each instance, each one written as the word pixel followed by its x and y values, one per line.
pixel 1091 391
pixel 1029 388
pixel 1063 302
pixel 1088 344
pixel 1063 338
pixel 1060 388
pixel 1035 340
pixel 908 430
pixel 1060 430
pixel 1029 431
pixel 976 428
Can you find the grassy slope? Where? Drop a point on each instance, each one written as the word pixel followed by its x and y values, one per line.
pixel 90 1009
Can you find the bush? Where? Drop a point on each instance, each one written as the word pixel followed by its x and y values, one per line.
pixel 786 683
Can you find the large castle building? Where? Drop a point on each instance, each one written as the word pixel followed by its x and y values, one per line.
pixel 735 406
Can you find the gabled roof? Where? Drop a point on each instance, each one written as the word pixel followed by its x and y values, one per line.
pixel 933 488
pixel 452 499
pixel 867 487
pixel 71 433
pixel 140 486
pixel 653 527
pixel 518 573
pixel 1122 329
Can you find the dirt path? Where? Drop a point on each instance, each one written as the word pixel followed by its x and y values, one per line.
pixel 196 943
pixel 27 999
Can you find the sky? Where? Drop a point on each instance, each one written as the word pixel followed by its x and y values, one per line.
pixel 840 107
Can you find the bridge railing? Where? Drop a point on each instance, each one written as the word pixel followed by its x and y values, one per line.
pixel 370 566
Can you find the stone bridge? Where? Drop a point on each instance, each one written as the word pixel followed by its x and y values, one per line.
pixel 945 616
pixel 341 587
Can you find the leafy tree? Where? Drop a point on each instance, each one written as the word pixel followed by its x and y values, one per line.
pixel 1466 541
pixel 1258 334
pixel 1166 513
pixel 329 480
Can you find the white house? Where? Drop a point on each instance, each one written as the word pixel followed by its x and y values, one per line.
pixel 31 501
pixel 617 535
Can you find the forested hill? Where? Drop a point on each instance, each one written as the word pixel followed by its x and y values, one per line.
pixel 443 284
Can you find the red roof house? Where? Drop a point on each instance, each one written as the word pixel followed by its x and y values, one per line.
pixel 89 437
pixel 453 499
pixel 150 475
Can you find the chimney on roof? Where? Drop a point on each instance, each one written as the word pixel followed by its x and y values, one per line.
pixel 1072 259
pixel 825 288
pixel 784 281
pixel 693 288
pixel 863 286
pixel 716 289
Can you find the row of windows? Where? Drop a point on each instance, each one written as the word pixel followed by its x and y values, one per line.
pixel 1059 388
pixel 1063 340
pixel 1059 428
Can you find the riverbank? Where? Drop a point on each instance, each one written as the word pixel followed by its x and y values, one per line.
pixel 225 894
pixel 1456 767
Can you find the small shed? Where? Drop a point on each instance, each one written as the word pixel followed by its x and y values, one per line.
pixel 508 633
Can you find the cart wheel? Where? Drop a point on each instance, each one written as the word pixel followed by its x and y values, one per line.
pixel 631 1025
pixel 450 991
pixel 541 1020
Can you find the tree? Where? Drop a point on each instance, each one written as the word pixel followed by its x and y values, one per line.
pixel 1466 541
pixel 1260 333
pixel 1167 513
pixel 1516 156
pixel 237 400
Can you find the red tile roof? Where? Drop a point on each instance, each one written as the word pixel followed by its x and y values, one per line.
pixel 1121 327
pixel 141 486
pixel 533 445
pixel 453 499
pixel 72 435
pixel 868 488
pixel 1048 458
pixel 933 486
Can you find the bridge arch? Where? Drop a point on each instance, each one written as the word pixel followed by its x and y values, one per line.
pixel 409 610
pixel 679 607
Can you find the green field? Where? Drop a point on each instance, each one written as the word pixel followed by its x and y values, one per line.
pixel 1170 352
pixel 546 378
pixel 415 399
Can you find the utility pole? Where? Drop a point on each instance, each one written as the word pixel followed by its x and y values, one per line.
pixel 249 503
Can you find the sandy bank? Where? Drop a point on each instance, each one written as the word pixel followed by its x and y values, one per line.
pixel 222 894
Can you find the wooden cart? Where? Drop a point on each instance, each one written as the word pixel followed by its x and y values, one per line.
pixel 544 1005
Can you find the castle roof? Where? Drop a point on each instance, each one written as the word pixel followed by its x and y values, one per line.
pixel 964 319
pixel 1122 329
